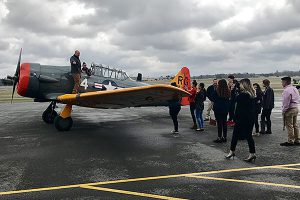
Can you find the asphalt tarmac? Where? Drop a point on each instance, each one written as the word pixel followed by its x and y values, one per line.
pixel 130 154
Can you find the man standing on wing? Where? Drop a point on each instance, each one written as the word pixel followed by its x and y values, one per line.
pixel 76 70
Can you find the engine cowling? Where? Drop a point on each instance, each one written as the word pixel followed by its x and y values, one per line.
pixel 28 85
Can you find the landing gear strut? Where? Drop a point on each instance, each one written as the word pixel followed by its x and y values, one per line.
pixel 49 114
pixel 64 122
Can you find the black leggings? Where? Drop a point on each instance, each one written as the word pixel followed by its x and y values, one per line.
pixel 235 138
pixel 174 113
pixel 222 124
pixel 192 109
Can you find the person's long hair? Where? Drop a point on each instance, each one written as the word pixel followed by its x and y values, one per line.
pixel 223 89
pixel 247 87
pixel 201 87
pixel 258 88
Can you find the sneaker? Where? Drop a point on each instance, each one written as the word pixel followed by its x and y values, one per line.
pixel 202 129
pixel 198 129
pixel 286 144
pixel 174 132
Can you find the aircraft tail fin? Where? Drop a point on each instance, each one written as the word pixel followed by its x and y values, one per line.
pixel 183 81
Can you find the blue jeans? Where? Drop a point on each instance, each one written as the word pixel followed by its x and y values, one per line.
pixel 199 117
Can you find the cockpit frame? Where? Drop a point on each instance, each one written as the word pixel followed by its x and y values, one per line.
pixel 107 72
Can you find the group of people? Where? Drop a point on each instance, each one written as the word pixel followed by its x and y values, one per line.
pixel 241 100
pixel 239 104
pixel 196 100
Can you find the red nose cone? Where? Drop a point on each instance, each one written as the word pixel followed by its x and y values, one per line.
pixel 24 79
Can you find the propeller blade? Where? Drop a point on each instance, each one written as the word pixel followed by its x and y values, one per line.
pixel 13 92
pixel 16 77
pixel 18 66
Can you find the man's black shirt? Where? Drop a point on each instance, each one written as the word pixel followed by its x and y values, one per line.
pixel 75 68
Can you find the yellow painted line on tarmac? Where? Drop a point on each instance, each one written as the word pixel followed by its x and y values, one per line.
pixel 244 181
pixel 143 179
pixel 40 189
pixel 183 175
pixel 129 192
pixel 246 169
pixel 288 168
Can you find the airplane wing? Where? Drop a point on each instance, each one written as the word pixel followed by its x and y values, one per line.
pixel 152 95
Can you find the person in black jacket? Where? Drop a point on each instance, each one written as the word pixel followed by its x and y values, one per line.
pixel 76 70
pixel 86 69
pixel 258 103
pixel 267 106
pixel 244 119
pixel 232 84
pixel 199 104
pixel 221 108
pixel 174 109
pixel 209 92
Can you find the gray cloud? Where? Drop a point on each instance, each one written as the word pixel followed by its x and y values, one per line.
pixel 3 45
pixel 264 22
pixel 154 37
pixel 43 18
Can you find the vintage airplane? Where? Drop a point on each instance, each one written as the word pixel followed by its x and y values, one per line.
pixel 102 87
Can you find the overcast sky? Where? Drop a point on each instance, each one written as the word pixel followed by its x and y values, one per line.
pixel 155 37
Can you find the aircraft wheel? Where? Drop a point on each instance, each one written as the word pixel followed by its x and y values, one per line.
pixel 62 124
pixel 49 117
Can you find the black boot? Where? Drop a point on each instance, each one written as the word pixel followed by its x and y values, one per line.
pixel 262 127
pixel 269 128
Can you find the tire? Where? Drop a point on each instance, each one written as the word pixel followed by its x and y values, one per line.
pixel 47 117
pixel 62 124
